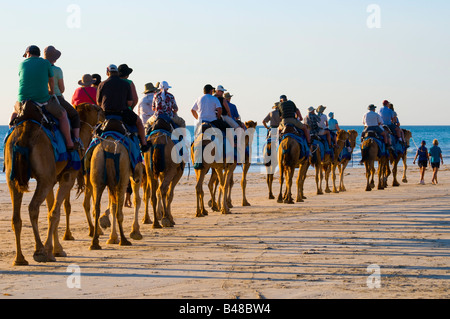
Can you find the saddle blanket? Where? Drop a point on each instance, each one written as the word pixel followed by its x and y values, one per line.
pixel 58 144
pixel 304 149
pixel 131 144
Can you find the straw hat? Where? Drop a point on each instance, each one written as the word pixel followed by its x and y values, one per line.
pixel 321 108
pixel 51 54
pixel 276 105
pixel 311 109
pixel 227 95
pixel 149 88
pixel 86 80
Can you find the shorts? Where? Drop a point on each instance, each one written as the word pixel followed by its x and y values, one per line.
pixel 375 129
pixel 423 164
pixel 436 165
pixel 128 116
pixel 294 122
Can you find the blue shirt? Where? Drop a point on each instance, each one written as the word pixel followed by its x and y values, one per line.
pixel 332 124
pixel 422 152
pixel 435 154
pixel 386 114
pixel 234 112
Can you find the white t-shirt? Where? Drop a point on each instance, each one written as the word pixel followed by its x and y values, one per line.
pixel 206 107
pixel 323 121
pixel 372 119
pixel 145 110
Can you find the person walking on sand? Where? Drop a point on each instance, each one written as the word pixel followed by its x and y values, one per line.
pixel 424 159
pixel 436 159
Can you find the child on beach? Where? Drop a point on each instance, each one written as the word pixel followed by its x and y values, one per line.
pixel 424 159
pixel 436 160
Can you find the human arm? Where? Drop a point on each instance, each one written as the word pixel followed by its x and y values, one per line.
pixel 51 86
pixel 61 85
pixel 135 98
pixel 299 115
pixel 195 114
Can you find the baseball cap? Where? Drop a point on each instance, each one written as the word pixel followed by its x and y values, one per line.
pixel 220 88
pixel 112 68
pixel 32 49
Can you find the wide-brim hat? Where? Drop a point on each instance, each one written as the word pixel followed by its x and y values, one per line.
pixel 276 105
pixel 227 95
pixel 321 108
pixel 371 107
pixel 124 70
pixel 311 109
pixel 86 80
pixel 51 54
pixel 150 88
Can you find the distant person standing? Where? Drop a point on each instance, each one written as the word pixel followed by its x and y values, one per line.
pixel 436 159
pixel 424 159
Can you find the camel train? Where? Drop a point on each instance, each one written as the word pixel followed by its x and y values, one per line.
pixel 108 165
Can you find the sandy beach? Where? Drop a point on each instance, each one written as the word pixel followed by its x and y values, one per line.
pixel 319 249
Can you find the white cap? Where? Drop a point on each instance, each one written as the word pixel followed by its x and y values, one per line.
pixel 220 88
pixel 164 85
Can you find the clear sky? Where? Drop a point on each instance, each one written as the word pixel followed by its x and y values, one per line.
pixel 316 52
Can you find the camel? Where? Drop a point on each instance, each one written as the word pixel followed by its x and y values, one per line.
pixel 394 159
pixel 163 174
pixel 213 183
pixel 110 168
pixel 27 156
pixel 330 163
pixel 202 147
pixel 369 154
pixel 90 116
pixel 289 158
pixel 342 163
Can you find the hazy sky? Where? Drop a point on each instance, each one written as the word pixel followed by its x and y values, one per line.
pixel 333 53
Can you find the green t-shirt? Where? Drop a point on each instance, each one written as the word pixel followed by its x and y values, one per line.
pixel 34 74
pixel 57 75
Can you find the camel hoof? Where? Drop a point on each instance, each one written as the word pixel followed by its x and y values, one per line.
pixel 335 191
pixel 405 181
pixel 199 215
pixel 210 204
pixel 215 208
pixel 380 188
pixel 166 223
pixel 368 189
pixel 146 220
pixel 230 205
pixel 319 193
pixel 105 222
pixel 271 196
pixel 280 200
pixel 22 262
pixel 327 191
pixel 112 241
pixel 289 202
pixel 156 226
pixel 68 237
pixel 95 247
pixel 245 204
pixel 125 242
pixel 395 185
pixel 136 235
pixel 300 200
pixel 60 254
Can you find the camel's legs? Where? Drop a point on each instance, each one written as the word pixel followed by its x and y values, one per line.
pixel 17 223
pixel 245 168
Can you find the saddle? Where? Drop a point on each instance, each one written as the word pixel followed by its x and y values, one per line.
pixel 113 125
pixel 160 124
pixel 291 129
pixel 31 111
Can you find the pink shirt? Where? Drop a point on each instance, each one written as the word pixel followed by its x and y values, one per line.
pixel 80 96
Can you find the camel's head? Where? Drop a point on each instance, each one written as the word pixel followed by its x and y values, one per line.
pixel 408 136
pixel 353 135
pixel 342 135
pixel 251 124
pixel 90 113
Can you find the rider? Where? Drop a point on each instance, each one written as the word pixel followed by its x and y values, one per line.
pixel 208 109
pixel 396 122
pixel 115 98
pixel 313 120
pixel 226 113
pixel 290 114
pixel 333 126
pixel 164 104
pixel 373 122
pixel 233 110
pixel 323 124
pixel 36 84
pixel 388 116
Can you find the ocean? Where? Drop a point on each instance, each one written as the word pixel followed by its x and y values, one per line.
pixel 419 133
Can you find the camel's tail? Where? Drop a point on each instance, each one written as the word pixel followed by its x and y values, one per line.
pixel 80 183
pixel 365 151
pixel 286 158
pixel 21 168
pixel 158 160
pixel 112 169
